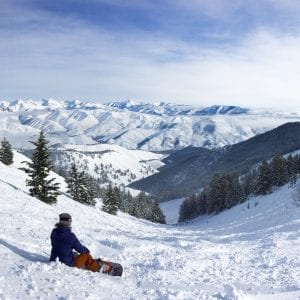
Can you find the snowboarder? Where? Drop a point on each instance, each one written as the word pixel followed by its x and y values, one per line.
pixel 64 241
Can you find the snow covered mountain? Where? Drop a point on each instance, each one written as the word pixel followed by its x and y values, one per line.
pixel 145 126
pixel 107 163
pixel 243 253
pixel 190 169
pixel 168 109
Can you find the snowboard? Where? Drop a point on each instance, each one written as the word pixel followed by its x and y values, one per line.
pixel 110 268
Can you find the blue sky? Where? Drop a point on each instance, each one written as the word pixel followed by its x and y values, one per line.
pixel 201 52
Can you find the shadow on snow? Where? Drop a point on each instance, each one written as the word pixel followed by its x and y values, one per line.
pixel 25 254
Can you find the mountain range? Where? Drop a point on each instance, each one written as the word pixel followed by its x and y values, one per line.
pixel 146 126
pixel 188 170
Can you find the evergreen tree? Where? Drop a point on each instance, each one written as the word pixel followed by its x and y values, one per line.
pixel 202 203
pixel 100 191
pixel 157 214
pixel 291 164
pixel 110 202
pixel 38 170
pixel 92 189
pixel 135 208
pixel 298 164
pixel 194 206
pixel 297 195
pixel 6 154
pixel 248 184
pixel 235 192
pixel 263 181
pixel 279 171
pixel 127 203
pixel 117 193
pixel 225 191
pixel 146 208
pixel 72 180
pixel 188 208
pixel 217 192
pixel 141 207
pixel 80 186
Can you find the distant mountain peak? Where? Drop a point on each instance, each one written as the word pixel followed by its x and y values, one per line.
pixel 189 169
pixel 159 108
pixel 172 109
pixel 136 125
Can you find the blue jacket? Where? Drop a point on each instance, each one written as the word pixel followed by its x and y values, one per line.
pixel 63 241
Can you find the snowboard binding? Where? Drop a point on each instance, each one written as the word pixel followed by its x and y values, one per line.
pixel 110 268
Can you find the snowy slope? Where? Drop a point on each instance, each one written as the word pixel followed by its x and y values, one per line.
pixel 239 254
pixel 152 127
pixel 120 165
pixel 171 210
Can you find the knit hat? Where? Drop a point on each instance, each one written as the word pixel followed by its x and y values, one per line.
pixel 65 219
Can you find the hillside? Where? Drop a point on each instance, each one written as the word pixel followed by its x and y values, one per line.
pixel 144 126
pixel 189 169
pixel 105 162
pixel 216 257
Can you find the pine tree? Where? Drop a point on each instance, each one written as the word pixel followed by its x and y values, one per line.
pixel 110 202
pixel 134 211
pixel 263 180
pixel 127 203
pixel 298 165
pixel 146 208
pixel 217 193
pixel 202 203
pixel 6 154
pixel 141 205
pixel 248 184
pixel 80 186
pixel 38 170
pixel 279 171
pixel 157 214
pixel 117 193
pixel 188 208
pixel 91 189
pixel 291 164
pixel 235 192
pixel 72 180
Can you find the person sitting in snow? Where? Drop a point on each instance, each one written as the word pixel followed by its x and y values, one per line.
pixel 64 241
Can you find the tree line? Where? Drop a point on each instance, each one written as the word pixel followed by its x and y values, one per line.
pixel 226 190
pixel 81 186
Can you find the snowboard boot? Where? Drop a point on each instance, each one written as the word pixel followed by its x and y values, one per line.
pixel 110 268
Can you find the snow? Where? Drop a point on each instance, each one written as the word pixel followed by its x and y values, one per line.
pixel 135 163
pixel 171 210
pixel 242 253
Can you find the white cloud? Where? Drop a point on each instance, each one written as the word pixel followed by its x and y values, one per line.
pixel 70 59
pixel 211 8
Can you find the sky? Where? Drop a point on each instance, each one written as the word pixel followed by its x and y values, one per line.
pixel 200 52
